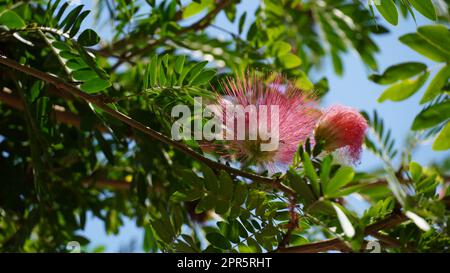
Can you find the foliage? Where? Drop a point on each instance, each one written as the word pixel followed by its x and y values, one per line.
pixel 406 79
pixel 85 136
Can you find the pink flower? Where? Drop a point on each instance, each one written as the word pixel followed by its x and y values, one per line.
pixel 343 128
pixel 297 117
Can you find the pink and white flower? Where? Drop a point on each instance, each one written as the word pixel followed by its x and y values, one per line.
pixel 341 128
pixel 296 111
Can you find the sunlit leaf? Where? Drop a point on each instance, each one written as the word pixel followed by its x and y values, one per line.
pixel 11 19
pixel 437 84
pixel 398 72
pixel 95 85
pixel 404 89
pixel 389 11
pixel 432 116
pixel 442 142
pixel 346 225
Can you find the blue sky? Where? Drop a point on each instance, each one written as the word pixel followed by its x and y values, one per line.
pixel 353 89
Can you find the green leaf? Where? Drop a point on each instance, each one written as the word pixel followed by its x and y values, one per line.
pixel 51 7
pixel 179 63
pixel 211 182
pixel 89 59
pixel 105 147
pixel 442 141
pixel 88 38
pixel 422 46
pixel 222 206
pixel 68 55
pixel 153 70
pixel 95 85
pixel 432 116
pixel 437 84
pixel 195 8
pixel 207 203
pixel 303 190
pixel 163 230
pixel 425 7
pixel 217 240
pixel 191 179
pixel 70 18
pixel 35 91
pixel 325 169
pixel 204 77
pixel 61 11
pixel 254 246
pixel 240 193
pixel 230 230
pixel 77 24
pixel 416 170
pixel 11 19
pixel 76 64
pixel 345 191
pixel 186 196
pixel 241 22
pixel 290 61
pixel 419 221
pixel 269 231
pixel 346 225
pixel 337 63
pixel 302 81
pixel 84 74
pixel 251 33
pixel 281 48
pixel 437 35
pixel 389 11
pixel 311 173
pixel 61 46
pixel 196 70
pixel 342 177
pixel 398 72
pixel 255 199
pixel 226 185
pixel 230 12
pixel 404 89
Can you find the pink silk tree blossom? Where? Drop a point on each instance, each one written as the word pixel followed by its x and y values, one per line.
pixel 342 128
pixel 297 112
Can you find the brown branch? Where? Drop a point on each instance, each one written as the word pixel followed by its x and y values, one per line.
pixel 120 185
pixel 59 113
pixel 336 244
pixel 388 241
pixel 292 224
pixel 96 100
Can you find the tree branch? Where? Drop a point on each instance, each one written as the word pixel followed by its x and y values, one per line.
pixel 393 220
pixel 98 101
pixel 199 25
pixel 59 113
